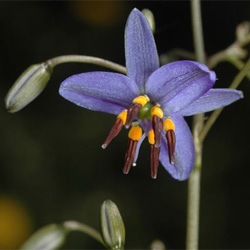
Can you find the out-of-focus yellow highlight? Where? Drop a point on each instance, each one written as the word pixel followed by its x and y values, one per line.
pixel 15 223
pixel 102 13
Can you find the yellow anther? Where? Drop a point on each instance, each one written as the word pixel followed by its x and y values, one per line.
pixel 168 125
pixel 135 133
pixel 141 100
pixel 151 137
pixel 156 111
pixel 123 116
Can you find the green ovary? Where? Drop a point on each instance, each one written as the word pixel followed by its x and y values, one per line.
pixel 145 111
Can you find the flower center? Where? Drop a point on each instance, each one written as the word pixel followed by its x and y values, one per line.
pixel 145 111
pixel 152 116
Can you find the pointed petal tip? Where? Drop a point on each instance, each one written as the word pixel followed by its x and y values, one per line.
pixel 240 93
pixel 204 68
pixel 212 76
pixel 140 49
pixel 104 146
pixel 136 11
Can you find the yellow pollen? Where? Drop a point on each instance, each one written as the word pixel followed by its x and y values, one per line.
pixel 141 100
pixel 123 116
pixel 151 137
pixel 156 111
pixel 135 133
pixel 168 125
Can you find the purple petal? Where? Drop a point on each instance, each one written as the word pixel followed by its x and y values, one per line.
pixel 184 151
pixel 178 84
pixel 140 49
pixel 100 91
pixel 213 99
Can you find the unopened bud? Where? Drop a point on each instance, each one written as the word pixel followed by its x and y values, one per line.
pixel 157 245
pixel 112 227
pixel 47 238
pixel 243 31
pixel 28 86
pixel 150 17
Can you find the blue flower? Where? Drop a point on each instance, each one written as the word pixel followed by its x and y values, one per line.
pixel 152 99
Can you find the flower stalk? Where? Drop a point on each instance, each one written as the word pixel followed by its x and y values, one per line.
pixel 81 227
pixel 192 237
pixel 86 59
pixel 234 85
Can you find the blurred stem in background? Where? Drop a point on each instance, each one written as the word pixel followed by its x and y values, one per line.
pixel 192 236
pixel 234 53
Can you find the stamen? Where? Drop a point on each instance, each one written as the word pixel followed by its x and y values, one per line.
pixel 134 135
pixel 157 111
pixel 130 154
pixel 141 100
pixel 154 154
pixel 123 116
pixel 134 109
pixel 170 135
pixel 154 160
pixel 157 125
pixel 151 137
pixel 168 124
pixel 116 129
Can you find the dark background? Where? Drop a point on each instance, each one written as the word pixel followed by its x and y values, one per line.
pixel 51 158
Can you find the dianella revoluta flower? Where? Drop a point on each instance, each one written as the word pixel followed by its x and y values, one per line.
pixel 151 100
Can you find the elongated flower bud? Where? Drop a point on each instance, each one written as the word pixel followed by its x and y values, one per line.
pixel 49 237
pixel 243 31
pixel 28 86
pixel 150 17
pixel 112 227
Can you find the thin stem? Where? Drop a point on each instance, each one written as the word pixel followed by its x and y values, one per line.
pixel 86 59
pixel 234 85
pixel 197 31
pixel 233 52
pixel 239 65
pixel 176 54
pixel 192 238
pixel 239 77
pixel 214 60
pixel 77 226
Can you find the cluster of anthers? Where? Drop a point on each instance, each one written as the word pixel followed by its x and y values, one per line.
pixel 145 111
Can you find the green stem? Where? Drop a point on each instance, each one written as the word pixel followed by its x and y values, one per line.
pixel 239 65
pixel 214 60
pixel 234 85
pixel 86 59
pixel 192 238
pixel 77 226
pixel 197 31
